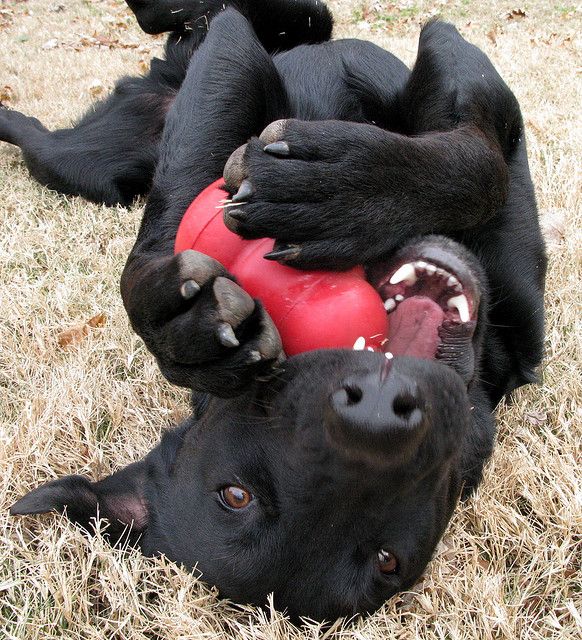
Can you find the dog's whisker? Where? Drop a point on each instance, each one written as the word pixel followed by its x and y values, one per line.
pixel 231 204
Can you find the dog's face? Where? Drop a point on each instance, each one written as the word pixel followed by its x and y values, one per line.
pixel 330 488
pixel 328 484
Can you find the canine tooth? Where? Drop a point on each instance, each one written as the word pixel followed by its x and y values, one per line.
pixel 359 344
pixel 405 273
pixel 461 304
pixel 399 297
pixel 452 281
pixel 390 304
pixel 430 269
pixel 388 355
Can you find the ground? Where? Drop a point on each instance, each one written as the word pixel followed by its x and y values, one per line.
pixel 80 394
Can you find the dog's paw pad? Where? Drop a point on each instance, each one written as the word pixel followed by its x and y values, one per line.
pixel 273 132
pixel 195 269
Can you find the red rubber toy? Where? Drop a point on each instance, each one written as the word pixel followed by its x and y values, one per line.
pixel 311 309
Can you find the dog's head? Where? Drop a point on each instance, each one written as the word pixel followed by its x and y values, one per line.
pixel 329 484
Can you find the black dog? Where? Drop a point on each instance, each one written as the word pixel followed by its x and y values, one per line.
pixel 327 478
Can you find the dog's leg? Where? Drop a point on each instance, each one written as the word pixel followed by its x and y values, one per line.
pixel 205 331
pixel 342 193
pixel 110 155
pixel 348 192
pixel 441 96
pixel 279 24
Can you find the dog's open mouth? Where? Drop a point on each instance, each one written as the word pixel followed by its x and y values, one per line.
pixel 431 297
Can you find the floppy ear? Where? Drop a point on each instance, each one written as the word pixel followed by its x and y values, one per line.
pixel 120 498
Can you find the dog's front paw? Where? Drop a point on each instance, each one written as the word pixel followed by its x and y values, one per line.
pixel 206 332
pixel 313 187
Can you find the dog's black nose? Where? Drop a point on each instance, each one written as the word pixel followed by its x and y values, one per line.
pixel 379 416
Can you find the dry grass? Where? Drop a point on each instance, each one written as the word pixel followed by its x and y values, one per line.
pixel 509 566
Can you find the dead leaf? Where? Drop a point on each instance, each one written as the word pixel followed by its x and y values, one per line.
pixel 100 42
pixel 515 14
pixel 492 35
pixel 96 88
pixel 6 93
pixel 536 418
pixel 6 17
pixel 98 321
pixel 75 335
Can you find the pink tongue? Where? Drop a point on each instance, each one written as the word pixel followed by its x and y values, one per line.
pixel 413 328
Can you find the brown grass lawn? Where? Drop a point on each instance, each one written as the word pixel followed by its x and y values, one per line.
pixel 509 565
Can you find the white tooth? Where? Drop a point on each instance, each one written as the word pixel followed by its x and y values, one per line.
pixel 452 281
pixel 389 305
pixel 441 272
pixel 370 348
pixel 405 273
pixel 388 355
pixel 399 297
pixel 360 343
pixel 420 265
pixel 461 305
pixel 430 269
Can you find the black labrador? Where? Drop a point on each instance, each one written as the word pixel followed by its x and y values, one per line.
pixel 327 478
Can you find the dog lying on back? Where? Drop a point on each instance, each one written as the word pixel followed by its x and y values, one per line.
pixel 327 478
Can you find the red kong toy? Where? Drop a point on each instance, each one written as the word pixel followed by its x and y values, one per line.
pixel 311 309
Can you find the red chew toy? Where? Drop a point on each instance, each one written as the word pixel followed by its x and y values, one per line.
pixel 311 309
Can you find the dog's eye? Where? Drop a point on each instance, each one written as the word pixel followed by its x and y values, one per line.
pixel 387 562
pixel 235 497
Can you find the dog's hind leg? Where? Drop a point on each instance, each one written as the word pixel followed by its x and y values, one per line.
pixel 454 84
pixel 205 331
pixel 279 24
pixel 108 157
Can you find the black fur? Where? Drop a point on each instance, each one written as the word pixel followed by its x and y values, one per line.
pixel 344 453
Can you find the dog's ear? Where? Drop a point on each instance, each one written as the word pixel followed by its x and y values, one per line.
pixel 120 498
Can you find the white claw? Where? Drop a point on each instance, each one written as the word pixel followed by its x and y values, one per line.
pixel 359 344
pixel 406 273
pixel 390 304
pixel 461 304
pixel 388 355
